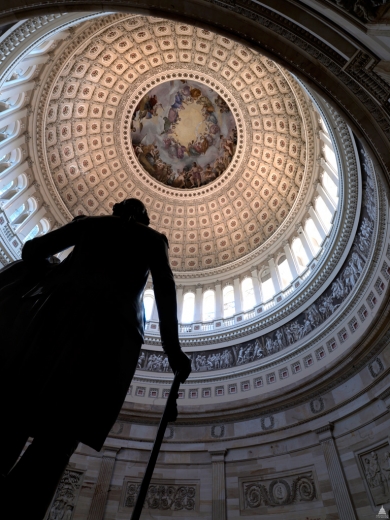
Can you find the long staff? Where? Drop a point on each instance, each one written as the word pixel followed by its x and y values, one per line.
pixel 169 415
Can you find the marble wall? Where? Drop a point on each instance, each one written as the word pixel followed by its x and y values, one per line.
pixel 332 464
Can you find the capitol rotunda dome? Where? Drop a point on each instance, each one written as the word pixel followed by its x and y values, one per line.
pixel 275 209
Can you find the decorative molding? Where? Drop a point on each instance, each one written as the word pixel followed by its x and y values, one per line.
pixel 317 405
pixel 163 495
pixel 217 431
pixel 65 498
pixel 267 423
pixel 280 491
pixel 374 464
pixel 376 367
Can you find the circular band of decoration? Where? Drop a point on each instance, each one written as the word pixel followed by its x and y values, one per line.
pixel 184 131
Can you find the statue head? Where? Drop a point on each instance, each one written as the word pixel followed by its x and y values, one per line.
pixel 131 209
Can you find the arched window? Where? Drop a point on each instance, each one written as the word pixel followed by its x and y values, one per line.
pixel 229 307
pixel 148 303
pixel 208 305
pixel 323 210
pixel 248 294
pixel 330 157
pixel 19 215
pixel 330 186
pixel 45 226
pixel 4 165
pixel 313 235
pixel 33 233
pixel 267 286
pixel 6 188
pixel 284 272
pixel 300 254
pixel 187 315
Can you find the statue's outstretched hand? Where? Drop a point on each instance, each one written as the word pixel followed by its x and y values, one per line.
pixel 180 363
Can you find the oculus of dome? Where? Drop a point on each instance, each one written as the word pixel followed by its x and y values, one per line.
pixel 183 134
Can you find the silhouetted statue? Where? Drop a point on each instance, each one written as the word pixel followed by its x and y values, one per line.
pixel 72 347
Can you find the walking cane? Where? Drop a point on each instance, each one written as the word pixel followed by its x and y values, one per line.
pixel 169 415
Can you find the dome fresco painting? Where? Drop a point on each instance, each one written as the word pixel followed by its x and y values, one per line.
pixel 183 134
pixel 221 154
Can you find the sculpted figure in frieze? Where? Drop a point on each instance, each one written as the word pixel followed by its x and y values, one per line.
pixel 375 465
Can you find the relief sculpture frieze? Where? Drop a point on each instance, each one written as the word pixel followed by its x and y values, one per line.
pixel 278 491
pixel 66 496
pixel 314 316
pixel 375 466
pixel 163 495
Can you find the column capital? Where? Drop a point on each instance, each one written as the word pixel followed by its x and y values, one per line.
pixel 111 452
pixel 325 432
pixel 218 455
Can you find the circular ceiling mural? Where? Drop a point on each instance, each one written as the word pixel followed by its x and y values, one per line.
pixel 215 139
pixel 183 134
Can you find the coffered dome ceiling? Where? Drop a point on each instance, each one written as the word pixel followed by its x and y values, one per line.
pixel 212 136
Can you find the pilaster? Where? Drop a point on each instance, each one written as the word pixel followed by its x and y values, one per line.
pixel 219 484
pixel 336 473
pixel 99 499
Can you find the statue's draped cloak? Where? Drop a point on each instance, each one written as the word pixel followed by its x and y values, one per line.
pixel 73 332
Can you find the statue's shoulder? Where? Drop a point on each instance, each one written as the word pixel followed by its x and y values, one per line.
pixel 152 234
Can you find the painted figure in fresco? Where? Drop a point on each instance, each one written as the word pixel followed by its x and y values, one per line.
pixel 195 173
pixel 179 98
pixel 174 154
